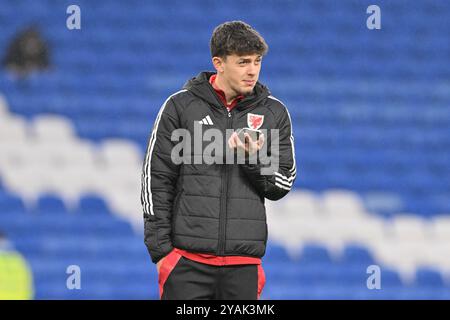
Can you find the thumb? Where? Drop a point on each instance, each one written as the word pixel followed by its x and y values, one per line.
pixel 261 139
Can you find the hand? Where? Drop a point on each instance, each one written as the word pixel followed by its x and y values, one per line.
pixel 250 147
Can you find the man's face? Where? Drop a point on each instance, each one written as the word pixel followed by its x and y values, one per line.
pixel 241 72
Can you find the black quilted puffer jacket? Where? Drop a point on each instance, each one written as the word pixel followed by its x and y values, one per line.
pixel 213 208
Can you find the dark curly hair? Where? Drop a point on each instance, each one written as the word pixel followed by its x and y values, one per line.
pixel 236 37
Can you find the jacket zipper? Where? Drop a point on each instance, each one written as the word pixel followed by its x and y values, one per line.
pixel 223 199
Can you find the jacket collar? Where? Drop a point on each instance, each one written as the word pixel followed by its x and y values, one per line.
pixel 201 87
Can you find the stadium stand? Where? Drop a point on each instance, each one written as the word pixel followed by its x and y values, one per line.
pixel 371 117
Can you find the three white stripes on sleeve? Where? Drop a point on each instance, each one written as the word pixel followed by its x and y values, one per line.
pixel 283 182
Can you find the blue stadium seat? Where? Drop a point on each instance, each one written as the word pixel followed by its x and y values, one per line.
pixel 429 278
pixel 11 204
pixel 314 254
pixel 276 253
pixel 390 278
pixel 92 205
pixel 355 254
pixel 50 204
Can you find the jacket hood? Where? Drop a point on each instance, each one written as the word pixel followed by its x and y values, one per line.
pixel 201 87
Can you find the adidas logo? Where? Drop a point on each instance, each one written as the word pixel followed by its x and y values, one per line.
pixel 206 120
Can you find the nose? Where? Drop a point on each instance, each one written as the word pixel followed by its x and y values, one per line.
pixel 252 70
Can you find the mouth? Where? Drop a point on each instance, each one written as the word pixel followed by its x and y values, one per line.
pixel 249 82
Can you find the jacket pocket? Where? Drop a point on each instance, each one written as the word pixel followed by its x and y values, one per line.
pixel 176 203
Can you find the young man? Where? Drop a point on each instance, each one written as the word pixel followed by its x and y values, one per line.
pixel 205 224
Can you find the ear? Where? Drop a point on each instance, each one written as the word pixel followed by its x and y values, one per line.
pixel 218 64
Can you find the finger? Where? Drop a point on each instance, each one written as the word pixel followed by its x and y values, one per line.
pixel 235 138
pixel 249 143
pixel 239 143
pixel 261 140
pixel 245 140
pixel 248 138
pixel 253 143
pixel 231 142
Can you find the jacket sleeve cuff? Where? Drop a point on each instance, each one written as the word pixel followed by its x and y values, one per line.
pixel 163 251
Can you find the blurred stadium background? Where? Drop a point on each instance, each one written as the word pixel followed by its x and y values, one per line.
pixel 371 114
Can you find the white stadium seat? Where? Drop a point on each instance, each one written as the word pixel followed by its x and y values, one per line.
pixel 404 257
pixel 72 182
pixel 303 203
pixel 440 228
pixel 52 128
pixel 408 228
pixel 342 203
pixel 26 181
pixel 361 230
pixel 13 130
pixel 13 154
pixel 127 205
pixel 118 152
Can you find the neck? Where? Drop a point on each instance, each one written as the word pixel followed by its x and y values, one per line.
pixel 220 83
